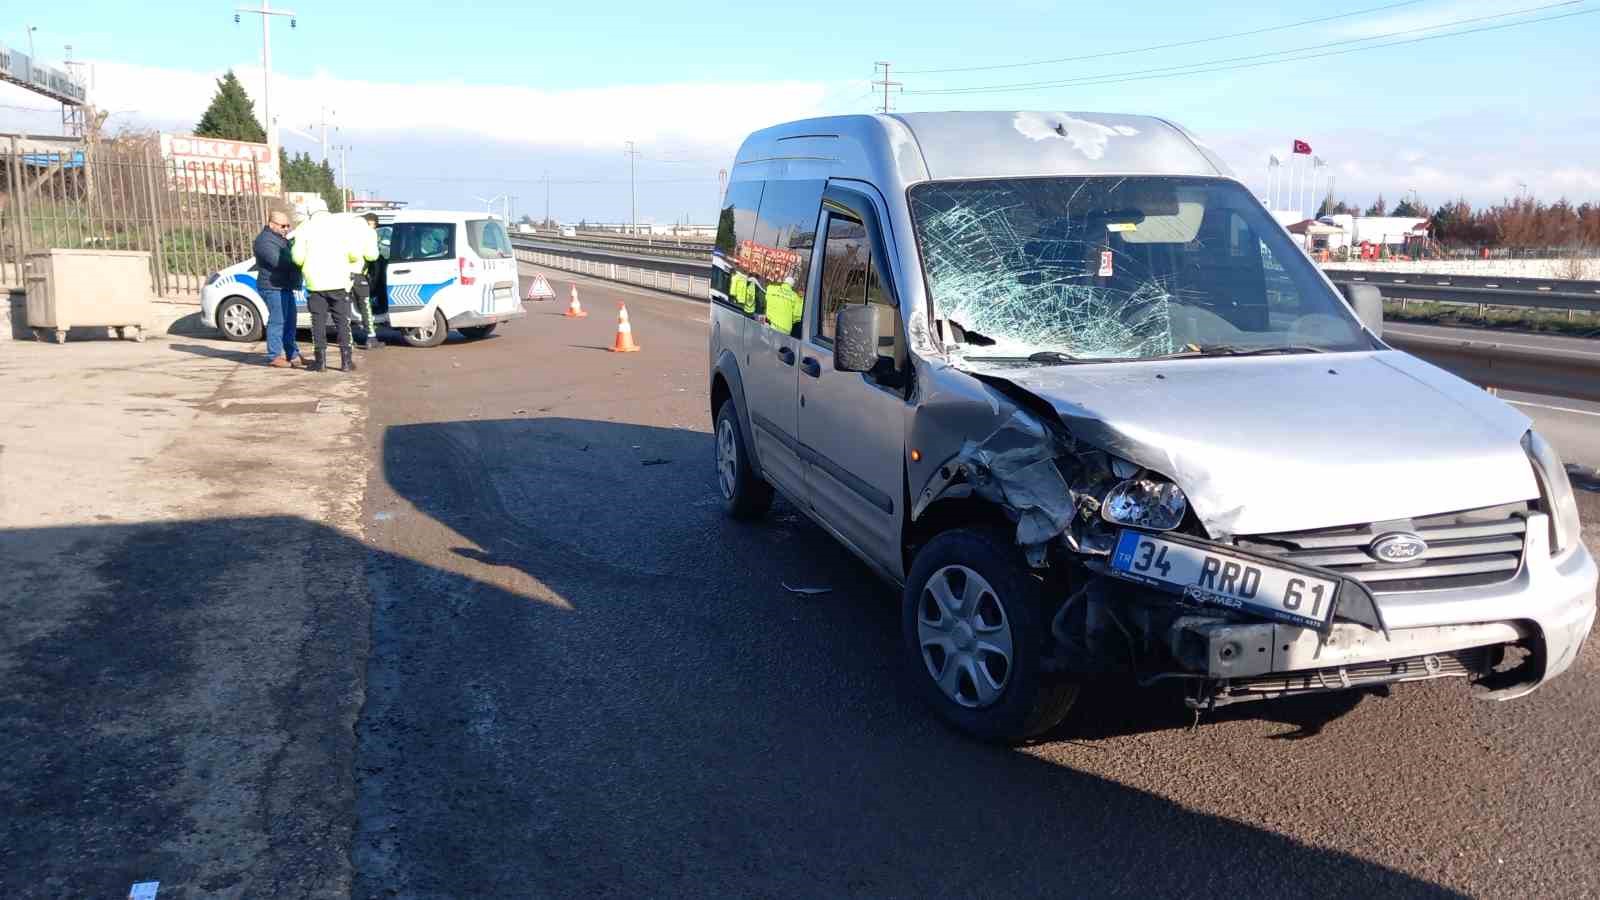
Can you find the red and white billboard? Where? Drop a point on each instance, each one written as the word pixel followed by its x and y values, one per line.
pixel 217 166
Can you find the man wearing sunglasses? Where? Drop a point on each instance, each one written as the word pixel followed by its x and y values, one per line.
pixel 277 278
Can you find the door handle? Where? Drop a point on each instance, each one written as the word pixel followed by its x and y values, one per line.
pixel 811 367
pixel 787 355
pixel 399 271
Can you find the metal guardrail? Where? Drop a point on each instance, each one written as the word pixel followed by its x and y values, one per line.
pixel 1481 290
pixel 1507 365
pixel 659 279
pixel 676 247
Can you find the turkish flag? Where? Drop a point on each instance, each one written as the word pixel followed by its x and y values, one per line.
pixel 1302 147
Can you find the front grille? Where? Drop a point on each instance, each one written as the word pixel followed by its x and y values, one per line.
pixel 1465 549
pixel 1474 661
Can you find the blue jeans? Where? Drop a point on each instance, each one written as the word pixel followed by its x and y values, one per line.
pixel 280 323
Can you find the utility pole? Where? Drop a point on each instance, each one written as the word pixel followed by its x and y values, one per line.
pixel 886 84
pixel 633 203
pixel 344 176
pixel 266 12
pixel 546 197
pixel 322 126
pixel 32 57
pixel 511 207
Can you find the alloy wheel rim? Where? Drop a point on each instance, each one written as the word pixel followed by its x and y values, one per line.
pixel 965 637
pixel 727 459
pixel 237 320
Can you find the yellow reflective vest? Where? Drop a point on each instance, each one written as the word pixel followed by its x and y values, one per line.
pixel 785 307
pixel 331 248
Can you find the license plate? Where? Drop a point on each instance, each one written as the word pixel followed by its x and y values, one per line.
pixel 502 291
pixel 1213 577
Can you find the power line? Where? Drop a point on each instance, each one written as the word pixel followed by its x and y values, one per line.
pixel 1223 65
pixel 1153 47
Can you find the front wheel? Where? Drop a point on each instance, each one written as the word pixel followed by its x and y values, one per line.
pixel 430 335
pixel 974 630
pixel 478 332
pixel 238 320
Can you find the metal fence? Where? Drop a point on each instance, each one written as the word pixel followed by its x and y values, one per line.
pixel 671 282
pixel 193 218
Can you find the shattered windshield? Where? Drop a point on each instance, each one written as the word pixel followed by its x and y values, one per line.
pixel 1065 269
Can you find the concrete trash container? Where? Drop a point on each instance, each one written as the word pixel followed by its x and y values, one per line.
pixel 73 288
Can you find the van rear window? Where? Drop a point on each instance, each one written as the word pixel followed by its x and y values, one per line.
pixel 489 239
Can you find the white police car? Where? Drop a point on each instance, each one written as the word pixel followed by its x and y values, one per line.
pixel 439 271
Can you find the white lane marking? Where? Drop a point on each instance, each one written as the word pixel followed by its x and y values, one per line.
pixel 1565 409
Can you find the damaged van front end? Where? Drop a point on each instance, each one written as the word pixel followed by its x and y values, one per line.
pixel 1250 568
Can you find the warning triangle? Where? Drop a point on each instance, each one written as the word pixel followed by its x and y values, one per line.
pixel 539 288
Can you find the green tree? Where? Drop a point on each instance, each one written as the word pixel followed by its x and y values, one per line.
pixel 301 173
pixel 1379 208
pixel 231 114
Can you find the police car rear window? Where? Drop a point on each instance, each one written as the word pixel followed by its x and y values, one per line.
pixel 489 239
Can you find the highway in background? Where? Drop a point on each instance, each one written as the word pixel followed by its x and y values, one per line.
pixel 601 685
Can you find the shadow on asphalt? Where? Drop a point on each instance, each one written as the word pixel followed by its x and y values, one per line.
pixel 177 701
pixel 664 719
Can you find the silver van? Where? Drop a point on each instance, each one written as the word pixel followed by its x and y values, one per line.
pixel 1062 378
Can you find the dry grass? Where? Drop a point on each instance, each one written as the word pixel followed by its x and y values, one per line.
pixel 1576 323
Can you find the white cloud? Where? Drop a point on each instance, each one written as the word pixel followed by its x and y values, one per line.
pixel 1423 16
pixel 682 115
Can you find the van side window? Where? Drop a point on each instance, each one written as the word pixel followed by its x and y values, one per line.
pixel 779 255
pixel 488 239
pixel 848 275
pixel 418 241
pixel 736 226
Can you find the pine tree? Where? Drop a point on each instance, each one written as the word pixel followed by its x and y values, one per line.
pixel 231 115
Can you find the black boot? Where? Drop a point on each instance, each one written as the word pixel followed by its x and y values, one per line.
pixel 319 361
pixel 347 360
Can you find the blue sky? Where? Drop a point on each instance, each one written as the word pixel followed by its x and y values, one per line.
pixel 511 91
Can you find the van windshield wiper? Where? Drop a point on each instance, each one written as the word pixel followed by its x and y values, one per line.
pixel 1054 358
pixel 1231 350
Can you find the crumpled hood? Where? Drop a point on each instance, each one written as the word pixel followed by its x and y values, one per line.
pixel 1288 443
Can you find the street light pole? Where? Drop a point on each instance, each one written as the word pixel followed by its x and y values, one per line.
pixel 633 203
pixel 32 57
pixel 265 11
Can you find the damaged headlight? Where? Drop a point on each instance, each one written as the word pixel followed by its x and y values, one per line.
pixel 1145 502
pixel 1555 488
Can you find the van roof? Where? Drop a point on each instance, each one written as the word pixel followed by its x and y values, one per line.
pixel 906 148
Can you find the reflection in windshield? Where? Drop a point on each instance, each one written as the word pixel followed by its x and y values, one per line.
pixel 1121 268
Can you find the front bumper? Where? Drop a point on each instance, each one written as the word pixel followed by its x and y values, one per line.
pixel 1548 607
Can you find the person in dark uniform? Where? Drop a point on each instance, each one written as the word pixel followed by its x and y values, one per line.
pixel 361 288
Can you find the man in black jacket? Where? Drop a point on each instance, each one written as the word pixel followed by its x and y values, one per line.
pixel 277 278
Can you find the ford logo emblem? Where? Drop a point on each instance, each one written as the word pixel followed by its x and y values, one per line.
pixel 1398 547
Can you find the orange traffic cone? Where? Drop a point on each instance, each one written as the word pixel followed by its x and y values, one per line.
pixel 575 309
pixel 624 342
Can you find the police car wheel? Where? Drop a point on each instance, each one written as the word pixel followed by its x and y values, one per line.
pixel 431 335
pixel 238 321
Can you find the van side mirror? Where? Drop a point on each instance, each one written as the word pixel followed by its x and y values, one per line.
pixel 1367 301
pixel 860 335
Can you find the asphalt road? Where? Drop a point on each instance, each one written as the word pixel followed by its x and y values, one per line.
pixel 584 680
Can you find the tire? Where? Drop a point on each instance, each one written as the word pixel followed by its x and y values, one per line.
pixel 985 639
pixel 745 495
pixel 428 337
pixel 479 332
pixel 238 320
